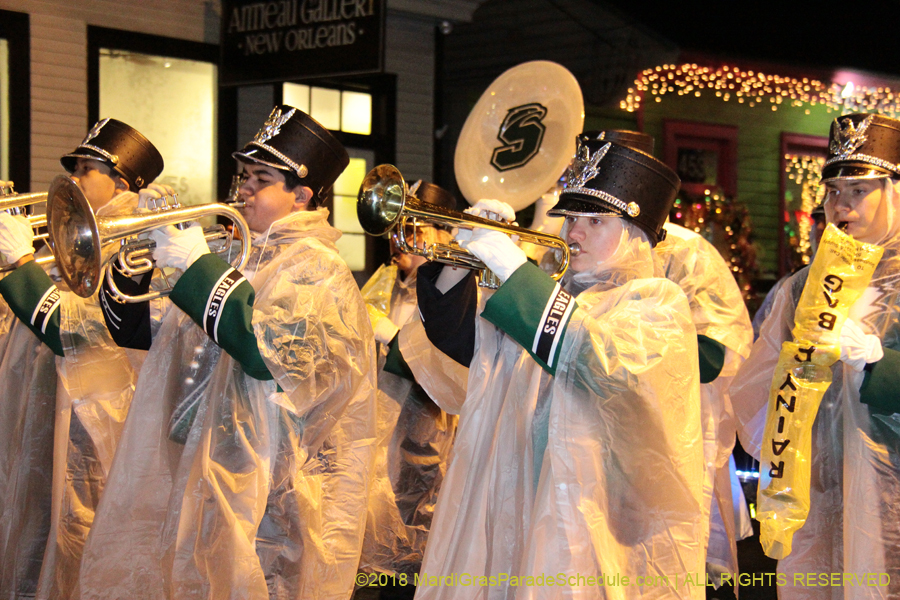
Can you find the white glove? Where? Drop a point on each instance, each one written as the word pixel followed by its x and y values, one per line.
pixel 485 208
pixel 488 209
pixel 858 347
pixel 495 249
pixel 178 248
pixel 16 237
pixel 149 196
pixel 385 330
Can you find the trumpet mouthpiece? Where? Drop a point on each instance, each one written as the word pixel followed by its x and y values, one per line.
pixel 574 249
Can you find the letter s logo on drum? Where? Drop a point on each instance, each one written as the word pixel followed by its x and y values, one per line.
pixel 521 133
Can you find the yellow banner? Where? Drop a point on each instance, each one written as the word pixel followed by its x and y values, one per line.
pixel 839 274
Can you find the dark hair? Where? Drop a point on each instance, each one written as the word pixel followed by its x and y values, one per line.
pixel 292 180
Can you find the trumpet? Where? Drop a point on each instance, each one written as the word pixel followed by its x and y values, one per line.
pixel 384 204
pixel 15 204
pixel 84 244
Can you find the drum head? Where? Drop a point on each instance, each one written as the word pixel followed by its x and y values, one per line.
pixel 520 136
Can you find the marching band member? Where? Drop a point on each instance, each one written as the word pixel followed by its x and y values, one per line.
pixel 579 449
pixel 111 166
pixel 243 468
pixel 724 336
pixel 27 402
pixel 853 525
pixel 415 435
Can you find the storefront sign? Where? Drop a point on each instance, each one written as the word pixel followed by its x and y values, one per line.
pixel 280 40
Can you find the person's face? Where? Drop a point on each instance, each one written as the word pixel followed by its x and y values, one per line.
pixel 408 263
pixel 855 207
pixel 97 181
pixel 598 237
pixel 267 197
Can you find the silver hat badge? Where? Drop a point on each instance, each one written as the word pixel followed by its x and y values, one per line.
pixel 846 138
pixel 585 166
pixel 272 126
pixel 95 131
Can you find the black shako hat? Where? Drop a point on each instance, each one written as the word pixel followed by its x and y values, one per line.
pixel 123 148
pixel 863 146
pixel 623 137
pixel 432 194
pixel 608 179
pixel 291 140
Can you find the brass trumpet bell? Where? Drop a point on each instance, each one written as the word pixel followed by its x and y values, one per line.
pixel 84 243
pixel 382 197
pixel 384 204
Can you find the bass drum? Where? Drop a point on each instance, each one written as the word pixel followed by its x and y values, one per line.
pixel 520 137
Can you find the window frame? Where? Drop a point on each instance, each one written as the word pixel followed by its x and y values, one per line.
pixel 722 139
pixel 382 141
pixel 16 29
pixel 793 143
pixel 145 43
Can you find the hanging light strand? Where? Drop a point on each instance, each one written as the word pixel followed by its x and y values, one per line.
pixel 806 172
pixel 757 89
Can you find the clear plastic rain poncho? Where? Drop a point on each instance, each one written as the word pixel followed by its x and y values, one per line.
pixel 414 441
pixel 84 396
pixel 225 486
pixel 594 473
pixel 96 383
pixel 853 524
pixel 718 312
pixel 27 404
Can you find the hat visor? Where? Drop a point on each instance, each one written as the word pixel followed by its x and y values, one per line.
pixel 577 205
pixel 70 161
pixel 261 157
pixel 854 171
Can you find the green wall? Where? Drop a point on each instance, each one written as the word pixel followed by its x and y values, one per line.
pixel 759 147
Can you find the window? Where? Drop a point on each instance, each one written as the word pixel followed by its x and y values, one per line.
pixel 347 111
pixel 15 100
pixel 802 159
pixel 352 245
pixel 172 101
pixel 4 109
pixel 703 154
pixel 171 98
pixel 341 111
pixel 360 111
